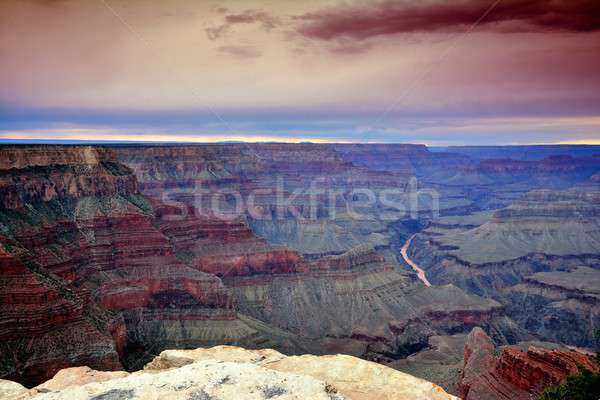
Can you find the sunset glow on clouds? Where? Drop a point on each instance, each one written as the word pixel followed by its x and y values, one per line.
pixel 390 70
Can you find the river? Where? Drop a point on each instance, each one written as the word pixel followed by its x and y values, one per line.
pixel 413 265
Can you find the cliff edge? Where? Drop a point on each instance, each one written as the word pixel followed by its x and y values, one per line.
pixel 227 372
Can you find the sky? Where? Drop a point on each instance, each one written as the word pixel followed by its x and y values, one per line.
pixel 439 72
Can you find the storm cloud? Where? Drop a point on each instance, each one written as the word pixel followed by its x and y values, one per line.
pixel 399 16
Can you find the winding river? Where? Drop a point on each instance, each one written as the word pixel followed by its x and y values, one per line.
pixel 413 265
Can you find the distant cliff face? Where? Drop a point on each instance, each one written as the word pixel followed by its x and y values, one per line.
pixel 45 173
pixel 536 256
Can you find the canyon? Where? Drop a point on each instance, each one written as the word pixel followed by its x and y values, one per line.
pixel 423 260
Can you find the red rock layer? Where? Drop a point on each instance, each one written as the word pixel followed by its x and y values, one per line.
pixel 36 311
pixel 96 245
pixel 123 259
pixel 537 367
pixel 29 306
pixel 224 248
pixel 514 374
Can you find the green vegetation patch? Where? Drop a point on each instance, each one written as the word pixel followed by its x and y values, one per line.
pixel 140 202
pixel 36 170
pixel 584 385
pixel 116 169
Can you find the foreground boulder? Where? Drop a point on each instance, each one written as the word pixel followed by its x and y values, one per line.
pixel 352 377
pixel 225 372
pixel 9 389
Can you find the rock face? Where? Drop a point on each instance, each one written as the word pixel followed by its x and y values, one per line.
pixel 231 373
pixel 515 373
pixel 9 389
pixel 539 257
pixel 537 367
pixel 440 362
pixel 547 222
pixel 45 326
pixel 85 273
pixel 561 306
pixel 78 376
pixel 44 173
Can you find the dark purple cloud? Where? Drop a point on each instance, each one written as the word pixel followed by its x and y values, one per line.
pixel 399 16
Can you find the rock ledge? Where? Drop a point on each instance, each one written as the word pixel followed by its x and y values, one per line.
pixel 226 372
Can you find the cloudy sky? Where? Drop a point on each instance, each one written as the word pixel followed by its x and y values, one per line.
pixel 429 71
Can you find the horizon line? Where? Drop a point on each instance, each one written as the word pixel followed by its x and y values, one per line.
pixel 25 141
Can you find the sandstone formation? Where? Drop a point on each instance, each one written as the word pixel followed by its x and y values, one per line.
pixel 230 373
pixel 516 372
pixel 10 389
pixel 77 376
pixel 45 326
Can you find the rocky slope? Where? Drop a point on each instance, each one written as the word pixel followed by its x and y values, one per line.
pixel 103 270
pixel 515 373
pixel 45 326
pixel 548 222
pixel 560 306
pixel 229 372
pixel 505 256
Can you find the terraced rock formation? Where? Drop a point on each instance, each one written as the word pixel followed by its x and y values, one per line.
pixel 536 256
pixel 105 273
pixel 560 306
pixel 339 257
pixel 46 326
pixel 516 372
